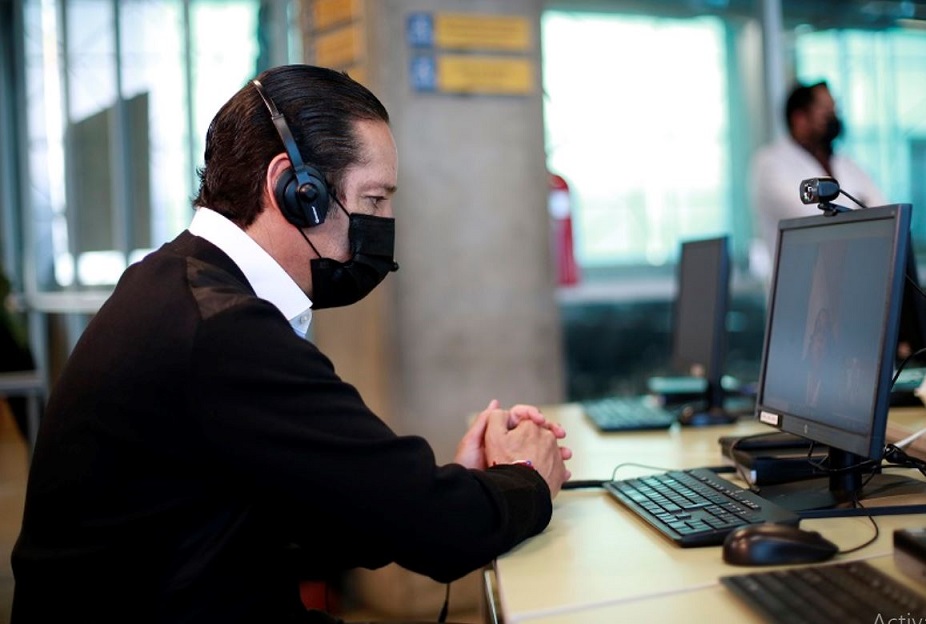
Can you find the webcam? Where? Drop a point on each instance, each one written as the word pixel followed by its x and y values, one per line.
pixel 817 190
pixel 822 191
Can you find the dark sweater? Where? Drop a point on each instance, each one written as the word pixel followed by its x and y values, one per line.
pixel 197 458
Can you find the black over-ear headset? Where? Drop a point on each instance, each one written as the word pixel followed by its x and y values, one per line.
pixel 301 192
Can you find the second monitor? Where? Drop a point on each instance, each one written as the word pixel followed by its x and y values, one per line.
pixel 699 336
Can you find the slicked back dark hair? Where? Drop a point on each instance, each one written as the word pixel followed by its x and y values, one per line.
pixel 800 99
pixel 321 107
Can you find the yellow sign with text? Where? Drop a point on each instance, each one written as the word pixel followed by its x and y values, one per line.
pixel 482 32
pixel 326 13
pixel 484 74
pixel 340 48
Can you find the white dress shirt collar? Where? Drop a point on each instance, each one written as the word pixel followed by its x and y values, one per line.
pixel 267 277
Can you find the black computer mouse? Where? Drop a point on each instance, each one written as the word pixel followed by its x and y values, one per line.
pixel 775 544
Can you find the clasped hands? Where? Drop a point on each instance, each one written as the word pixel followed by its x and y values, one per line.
pixel 504 436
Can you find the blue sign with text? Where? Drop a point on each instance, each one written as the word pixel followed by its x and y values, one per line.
pixel 424 73
pixel 419 30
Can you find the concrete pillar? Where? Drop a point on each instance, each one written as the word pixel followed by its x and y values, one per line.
pixel 471 315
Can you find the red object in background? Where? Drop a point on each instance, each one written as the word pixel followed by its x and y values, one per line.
pixel 318 595
pixel 559 205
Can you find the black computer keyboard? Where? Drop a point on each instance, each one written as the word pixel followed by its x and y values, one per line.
pixel 633 413
pixel 841 592
pixel 695 507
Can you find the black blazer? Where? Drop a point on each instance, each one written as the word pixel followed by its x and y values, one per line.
pixel 197 458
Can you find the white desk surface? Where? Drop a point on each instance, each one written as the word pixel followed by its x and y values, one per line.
pixel 598 558
pixel 714 604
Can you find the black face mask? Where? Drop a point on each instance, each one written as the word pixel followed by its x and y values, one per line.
pixel 831 132
pixel 372 245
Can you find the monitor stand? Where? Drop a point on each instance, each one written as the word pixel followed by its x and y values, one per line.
pixel 835 495
pixel 692 417
pixel 709 411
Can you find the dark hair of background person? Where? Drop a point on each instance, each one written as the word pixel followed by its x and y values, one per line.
pixel 800 99
pixel 320 107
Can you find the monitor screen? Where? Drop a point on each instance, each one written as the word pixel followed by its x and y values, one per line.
pixel 699 326
pixel 832 326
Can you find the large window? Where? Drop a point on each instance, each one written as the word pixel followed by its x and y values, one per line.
pixel 637 123
pixel 120 94
pixel 652 119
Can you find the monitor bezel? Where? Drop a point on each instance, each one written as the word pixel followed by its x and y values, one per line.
pixel 869 444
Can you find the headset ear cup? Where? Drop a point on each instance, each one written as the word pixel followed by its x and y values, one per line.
pixel 306 209
pixel 315 207
pixel 285 193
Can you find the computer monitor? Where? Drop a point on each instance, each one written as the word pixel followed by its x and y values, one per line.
pixel 699 334
pixel 829 353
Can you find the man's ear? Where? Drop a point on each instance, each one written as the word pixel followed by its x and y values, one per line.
pixel 275 170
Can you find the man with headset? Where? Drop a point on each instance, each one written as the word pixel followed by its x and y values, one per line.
pixel 199 456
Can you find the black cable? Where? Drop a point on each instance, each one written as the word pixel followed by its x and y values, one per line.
pixel 853 199
pixel 916 353
pixel 856 502
pixel 899 457
pixel 868 463
pixel 740 469
pixel 636 465
pixel 582 484
pixel 442 616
